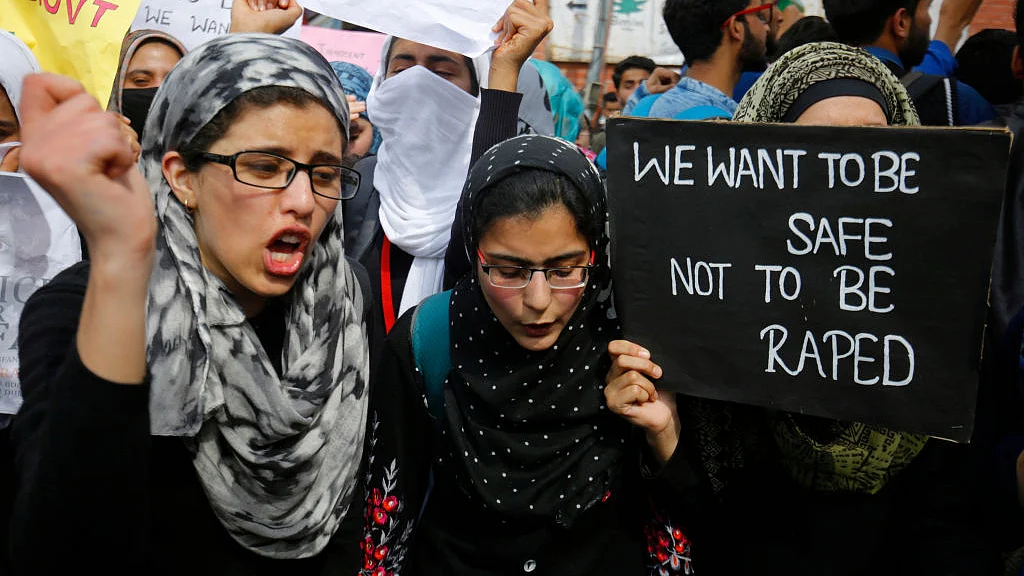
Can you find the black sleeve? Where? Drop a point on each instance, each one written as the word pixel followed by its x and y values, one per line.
pixel 82 447
pixel 677 496
pixel 499 113
pixel 398 450
pixel 674 485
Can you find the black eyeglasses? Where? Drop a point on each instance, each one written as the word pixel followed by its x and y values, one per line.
pixel 519 277
pixel 266 170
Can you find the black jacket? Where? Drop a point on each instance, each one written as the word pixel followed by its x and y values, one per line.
pixel 97 492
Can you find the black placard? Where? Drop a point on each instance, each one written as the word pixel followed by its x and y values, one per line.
pixel 872 245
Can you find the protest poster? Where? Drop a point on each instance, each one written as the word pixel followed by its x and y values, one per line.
pixel 634 27
pixel 76 38
pixel 359 48
pixel 37 241
pixel 836 272
pixel 192 22
pixel 462 26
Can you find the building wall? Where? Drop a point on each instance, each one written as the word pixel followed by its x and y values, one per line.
pixel 994 14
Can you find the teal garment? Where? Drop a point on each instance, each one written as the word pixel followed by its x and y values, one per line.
pixel 356 82
pixel 566 103
pixel 430 341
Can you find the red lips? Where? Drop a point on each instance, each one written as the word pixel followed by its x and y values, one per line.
pixel 284 253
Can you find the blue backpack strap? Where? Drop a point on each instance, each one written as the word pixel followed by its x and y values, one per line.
pixel 431 348
pixel 643 108
pixel 703 113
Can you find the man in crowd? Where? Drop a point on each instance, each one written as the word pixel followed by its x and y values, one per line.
pixel 629 74
pixel 897 33
pixel 611 107
pixel 719 40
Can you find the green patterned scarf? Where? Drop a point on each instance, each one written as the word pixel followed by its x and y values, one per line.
pixel 858 457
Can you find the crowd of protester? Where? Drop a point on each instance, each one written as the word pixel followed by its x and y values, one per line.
pixel 329 322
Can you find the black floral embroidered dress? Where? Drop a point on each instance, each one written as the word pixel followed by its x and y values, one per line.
pixel 636 528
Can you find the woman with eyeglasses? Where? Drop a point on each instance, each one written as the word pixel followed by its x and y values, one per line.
pixel 195 397
pixel 513 455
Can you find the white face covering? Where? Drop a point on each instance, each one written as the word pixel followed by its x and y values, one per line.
pixel 427 127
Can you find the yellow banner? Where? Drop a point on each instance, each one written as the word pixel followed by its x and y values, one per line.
pixel 76 38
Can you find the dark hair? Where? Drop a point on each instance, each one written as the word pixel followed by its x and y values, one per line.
pixel 262 97
pixel 804 31
pixel 610 97
pixel 863 27
pixel 641 62
pixel 984 63
pixel 474 83
pixel 696 25
pixel 527 194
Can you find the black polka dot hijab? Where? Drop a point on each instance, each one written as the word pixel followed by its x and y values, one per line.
pixel 529 432
pixel 277 454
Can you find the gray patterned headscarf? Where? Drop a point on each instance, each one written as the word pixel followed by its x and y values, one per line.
pixel 276 455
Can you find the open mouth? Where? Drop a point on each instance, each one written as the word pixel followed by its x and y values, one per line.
pixel 284 253
pixel 538 330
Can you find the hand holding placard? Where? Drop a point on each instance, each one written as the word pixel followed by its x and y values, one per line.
pixel 631 394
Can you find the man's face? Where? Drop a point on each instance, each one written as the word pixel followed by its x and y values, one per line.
pixel 775 30
pixel 631 78
pixel 757 28
pixel 916 46
pixel 612 108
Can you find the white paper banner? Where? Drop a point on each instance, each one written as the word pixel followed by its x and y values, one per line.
pixel 37 241
pixel 192 22
pixel 462 26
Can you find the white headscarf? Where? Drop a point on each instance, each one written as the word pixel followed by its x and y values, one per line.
pixel 427 125
pixel 16 62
